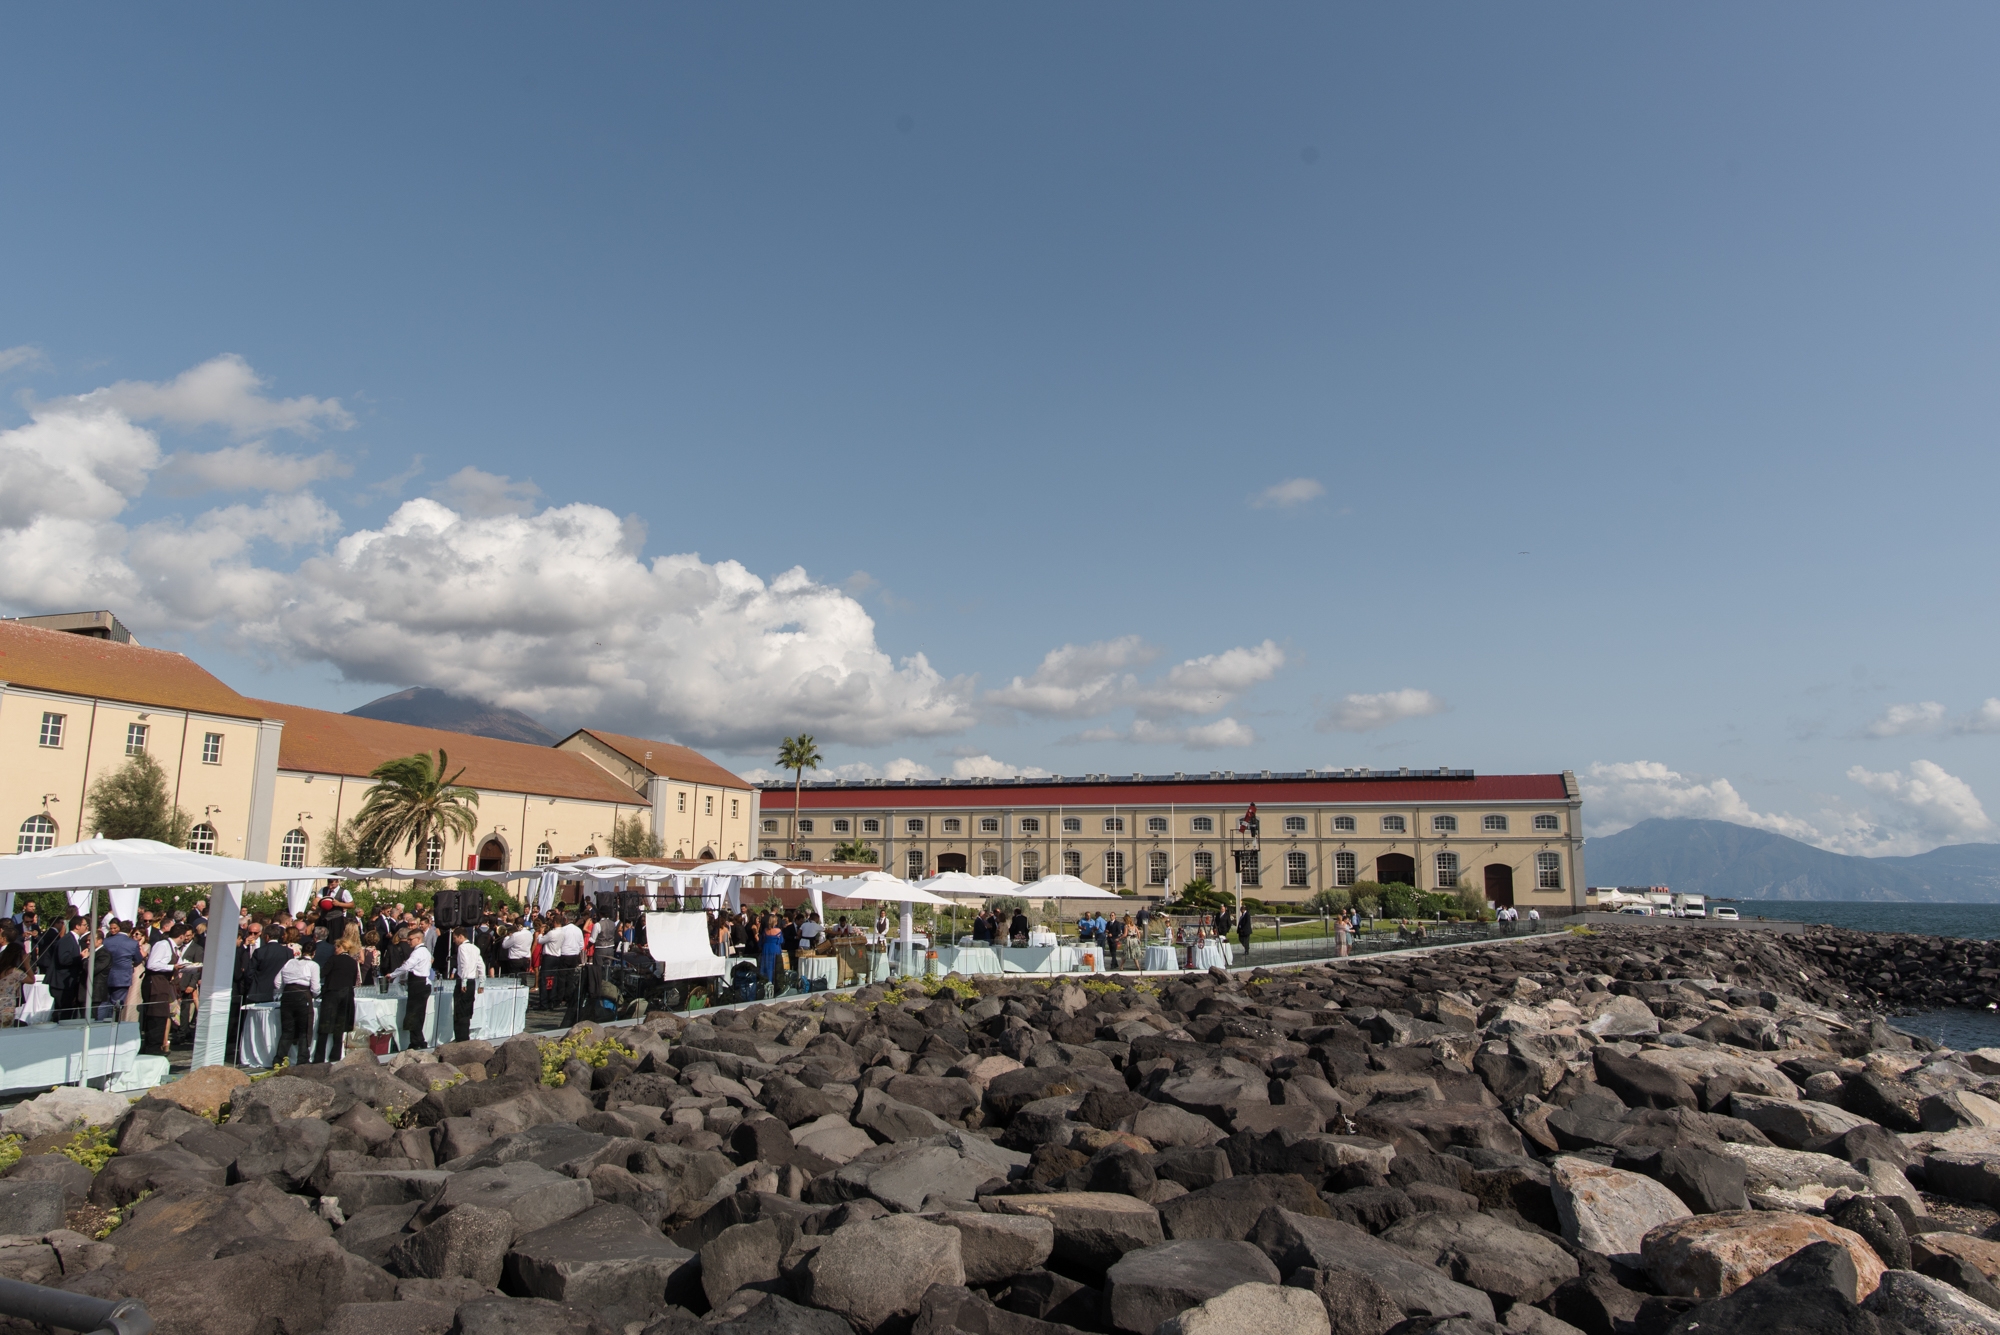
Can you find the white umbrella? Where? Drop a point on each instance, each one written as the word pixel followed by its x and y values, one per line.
pixel 1065 886
pixel 882 887
pixel 955 883
pixel 99 864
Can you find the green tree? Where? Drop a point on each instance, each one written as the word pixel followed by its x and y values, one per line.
pixel 134 802
pixel 344 846
pixel 856 850
pixel 1330 901
pixel 798 754
pixel 411 800
pixel 631 839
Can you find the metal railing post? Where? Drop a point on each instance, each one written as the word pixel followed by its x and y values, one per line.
pixel 74 1311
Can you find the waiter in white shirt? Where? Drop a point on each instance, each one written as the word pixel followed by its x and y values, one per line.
pixel 520 948
pixel 415 971
pixel 563 949
pixel 156 993
pixel 471 967
pixel 298 988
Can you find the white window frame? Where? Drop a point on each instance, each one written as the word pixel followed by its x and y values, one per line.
pixel 805 855
pixel 681 803
pixel 1298 871
pixel 52 729
pixel 1548 871
pixel 913 864
pixel 1202 825
pixel 1493 824
pixel 1444 824
pixel 843 826
pixel 1158 868
pixel 1072 863
pixel 733 809
pixel 870 825
pixel 951 825
pixel 913 825
pixel 770 826
pixel 1114 825
pixel 989 862
pixel 1072 825
pixel 1114 866
pixel 1252 874
pixel 545 853
pixel 201 839
pixel 708 804
pixel 1295 825
pixel 1346 867
pixel 1343 824
pixel 989 825
pixel 1546 823
pixel 806 826
pixel 431 855
pixel 135 742
pixel 1031 825
pixel 1203 866
pixel 1156 825
pixel 37 832
pixel 1394 825
pixel 1446 864
pixel 1031 866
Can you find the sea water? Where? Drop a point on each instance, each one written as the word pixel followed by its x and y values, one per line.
pixel 1954 1028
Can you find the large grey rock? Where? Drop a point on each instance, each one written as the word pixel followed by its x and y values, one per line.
pixel 993 1247
pixel 1294 1240
pixel 1148 1285
pixel 606 1258
pixel 942 1096
pixel 1354 1303
pixel 282 1287
pixel 1795 1124
pixel 30 1208
pixel 62 1108
pixel 1264 1308
pixel 1217 1090
pixel 155 1124
pixel 127 1177
pixel 534 1196
pixel 833 1138
pixel 743 1255
pixel 893 1120
pixel 768 1314
pixel 403 1317
pixel 1608 1211
pixel 878 1269
pixel 526 1316
pixel 363 1188
pixel 1705 1181
pixel 1480 1251
pixel 919 1175
pixel 72 1176
pixel 1229 1209
pixel 1920 1305
pixel 1813 1290
pixel 1169 1127
pixel 469 1243
pixel 372 1232
pixel 1093 1229
pixel 1780 1179
pixel 283 1097
pixel 286 1156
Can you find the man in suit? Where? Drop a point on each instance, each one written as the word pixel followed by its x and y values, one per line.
pixel 66 971
pixel 265 962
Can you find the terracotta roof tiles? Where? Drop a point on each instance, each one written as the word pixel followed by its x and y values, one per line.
pixel 55 660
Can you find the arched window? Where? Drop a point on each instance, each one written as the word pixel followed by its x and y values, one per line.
pixel 1444 824
pixel 1031 867
pixel 544 854
pixel 433 855
pixel 37 833
pixel 1296 868
pixel 1548 871
pixel 1295 825
pixel 1204 867
pixel 913 863
pixel 1343 869
pixel 989 862
pixel 1073 863
pixel 1392 825
pixel 1114 825
pixel 1156 825
pixel 590 851
pixel 989 825
pixel 1202 825
pixel 292 851
pixel 1494 824
pixel 201 839
pixel 1031 825
pixel 1345 824
pixel 1547 823
pixel 805 855
pixel 1072 825
pixel 1156 868
pixel 1114 868
pixel 1447 865
pixel 806 826
pixel 871 826
pixel 951 825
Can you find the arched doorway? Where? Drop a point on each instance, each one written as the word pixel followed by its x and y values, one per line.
pixel 950 862
pixel 1499 885
pixel 493 855
pixel 1396 869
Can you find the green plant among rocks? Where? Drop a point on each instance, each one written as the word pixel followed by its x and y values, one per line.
pixel 592 1052
pixel 90 1146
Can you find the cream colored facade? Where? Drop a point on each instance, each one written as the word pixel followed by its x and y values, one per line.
pixel 694 813
pixel 221 770
pixel 1497 835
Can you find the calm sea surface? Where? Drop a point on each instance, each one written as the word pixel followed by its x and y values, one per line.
pixel 1961 1029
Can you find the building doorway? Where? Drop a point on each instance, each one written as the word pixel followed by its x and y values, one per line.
pixel 950 862
pixel 493 856
pixel 1499 885
pixel 1396 869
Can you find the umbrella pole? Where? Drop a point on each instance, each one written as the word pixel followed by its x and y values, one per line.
pixel 89 991
pixel 907 942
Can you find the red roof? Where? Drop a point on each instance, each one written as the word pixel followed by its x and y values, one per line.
pixel 1185 792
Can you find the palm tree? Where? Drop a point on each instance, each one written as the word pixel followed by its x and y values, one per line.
pixel 797 754
pixel 412 800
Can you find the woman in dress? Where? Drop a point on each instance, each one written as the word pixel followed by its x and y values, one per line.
pixel 771 942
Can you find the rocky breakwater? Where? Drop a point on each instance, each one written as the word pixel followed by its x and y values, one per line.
pixel 1634 1131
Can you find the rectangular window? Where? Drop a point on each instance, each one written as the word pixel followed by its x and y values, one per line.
pixel 913 863
pixel 842 826
pixel 806 826
pixel 1295 870
pixel 1548 871
pixel 1073 864
pixel 914 825
pixel 1392 825
pixel 708 805
pixel 52 729
pixel 1114 868
pixel 1031 825
pixel 135 743
pixel 1344 824
pixel 1447 866
pixel 1114 825
pixel 805 855
pixel 1541 822
pixel 1156 868
pixel 1252 871
pixel 989 825
pixel 1204 867
pixel 732 808
pixel 951 824
pixel 1343 868
pixel 770 827
pixel 1156 825
pixel 1295 825
pixel 1202 825
pixel 771 853
pixel 871 826
pixel 681 802
pixel 211 748
pixel 989 863
pixel 1072 825
pixel 1031 867
pixel 1493 824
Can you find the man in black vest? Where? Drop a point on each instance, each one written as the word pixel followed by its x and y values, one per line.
pixel 66 971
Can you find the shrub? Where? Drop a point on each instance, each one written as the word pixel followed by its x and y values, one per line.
pixel 1329 901
pixel 595 1054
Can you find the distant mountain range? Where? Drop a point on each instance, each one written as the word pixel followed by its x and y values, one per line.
pixel 428 707
pixel 1715 857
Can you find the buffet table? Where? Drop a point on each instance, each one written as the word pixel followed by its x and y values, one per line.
pixel 38 1004
pixel 821 967
pixel 40 1056
pixel 1044 959
pixel 968 960
pixel 1162 959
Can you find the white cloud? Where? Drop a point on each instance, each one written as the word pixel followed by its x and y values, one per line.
pixel 1367 713
pixel 986 767
pixel 900 768
pixel 1290 492
pixel 249 467
pixel 1214 736
pixel 476 492
pixel 1986 718
pixel 1923 807
pixel 1090 680
pixel 1905 720
pixel 221 392
pixel 24 355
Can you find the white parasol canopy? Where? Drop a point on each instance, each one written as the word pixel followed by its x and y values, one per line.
pixel 881 886
pixel 1066 887
pixel 97 864
pixel 957 884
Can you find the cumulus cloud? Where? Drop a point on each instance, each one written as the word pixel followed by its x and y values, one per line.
pixel 1915 809
pixel 1905 720
pixel 1367 713
pixel 1986 718
pixel 250 467
pixel 476 492
pixel 1090 680
pixel 1290 492
pixel 221 392
pixel 1214 736
pixel 986 767
pixel 12 359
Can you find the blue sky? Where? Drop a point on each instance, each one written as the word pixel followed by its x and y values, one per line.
pixel 1136 388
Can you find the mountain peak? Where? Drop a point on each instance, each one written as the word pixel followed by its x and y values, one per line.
pixel 428 707
pixel 1718 857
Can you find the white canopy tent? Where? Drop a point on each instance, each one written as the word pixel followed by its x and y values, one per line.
pixel 881 887
pixel 1065 887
